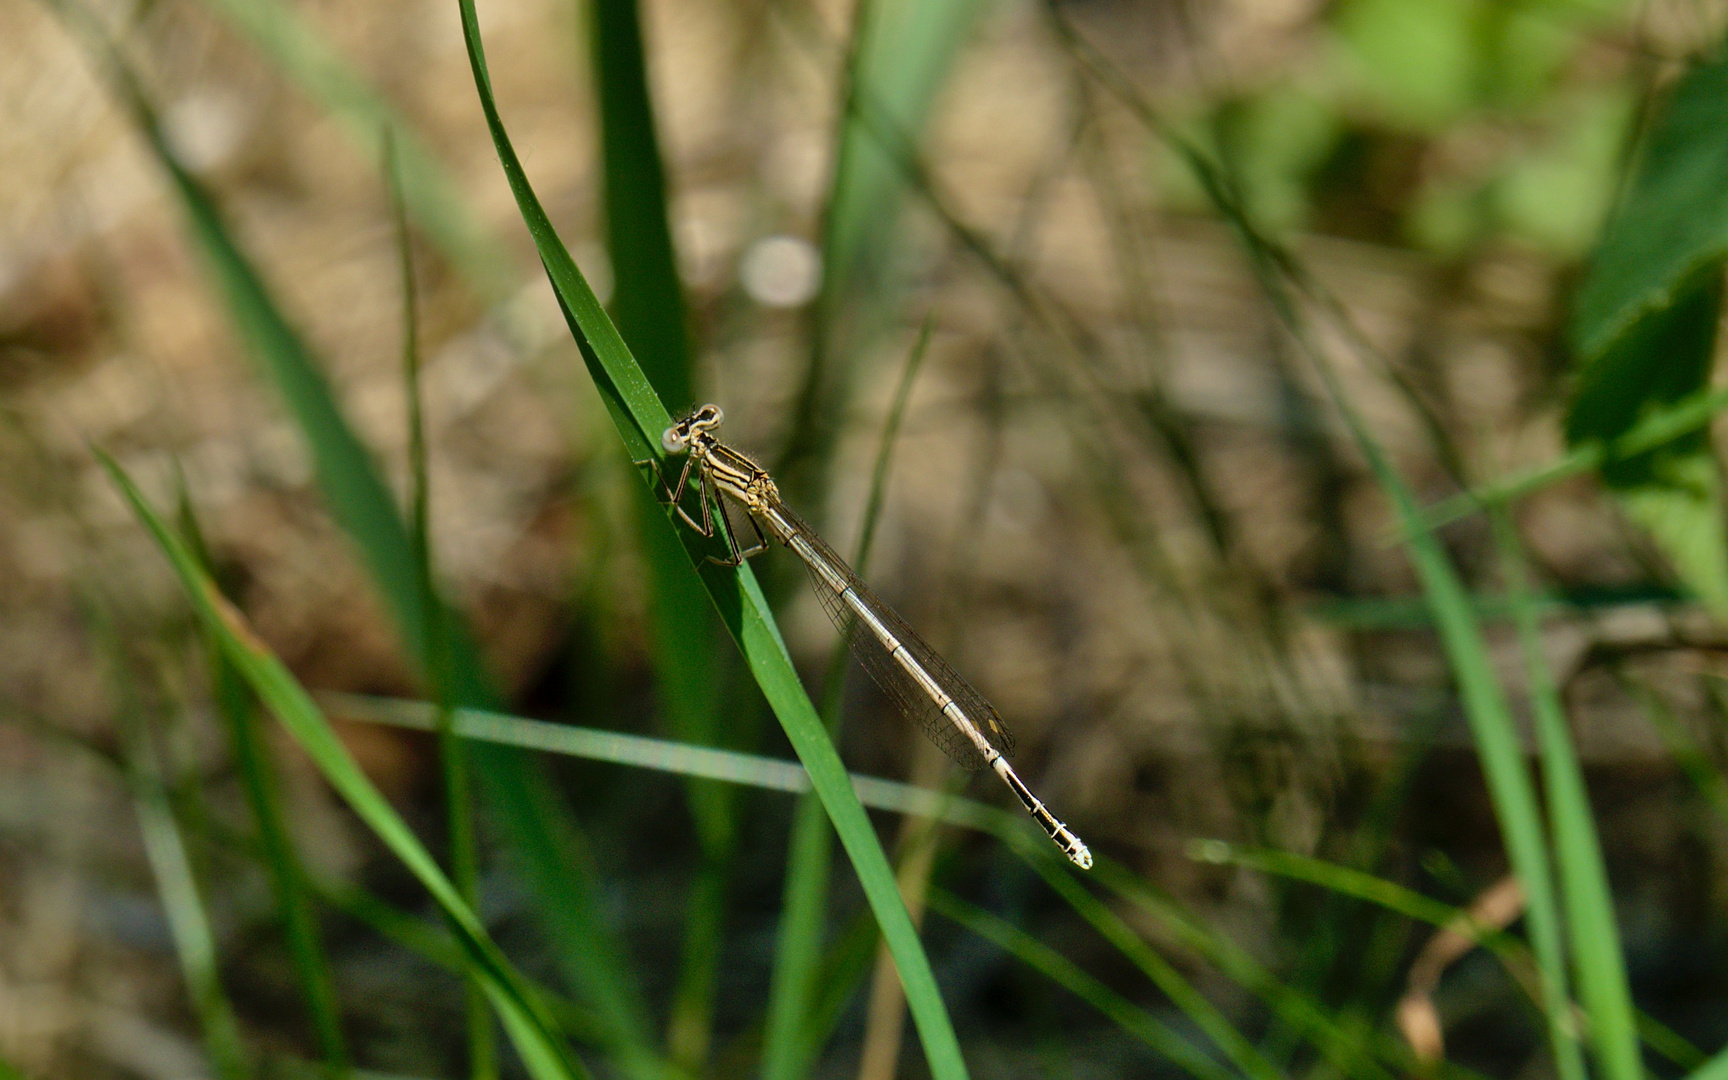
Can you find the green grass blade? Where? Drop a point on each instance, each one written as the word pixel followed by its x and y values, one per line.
pixel 303 55
pixel 1347 1051
pixel 1653 431
pixel 637 412
pixel 1063 972
pixel 1493 728
pixel 545 840
pixel 1594 936
pixel 171 866
pixel 234 703
pixel 787 1050
pixel 898 55
pixel 649 309
pixel 1714 1069
pixel 1204 1015
pixel 521 1012
pixel 804 903
pixel 188 924
pixel 452 757
pixel 1376 890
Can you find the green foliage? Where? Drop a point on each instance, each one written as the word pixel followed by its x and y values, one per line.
pixel 522 1012
pixel 1643 329
pixel 639 415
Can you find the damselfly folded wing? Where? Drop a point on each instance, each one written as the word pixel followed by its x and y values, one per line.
pixel 873 636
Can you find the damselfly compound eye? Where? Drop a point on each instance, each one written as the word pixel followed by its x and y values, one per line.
pixel 674 440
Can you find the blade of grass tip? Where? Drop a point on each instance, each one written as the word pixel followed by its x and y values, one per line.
pixel 234 704
pixel 1597 961
pixel 1064 973
pixel 1205 1016
pixel 549 846
pixel 804 901
pixel 520 1011
pixel 649 309
pixel 636 411
pixel 176 887
pixel 452 761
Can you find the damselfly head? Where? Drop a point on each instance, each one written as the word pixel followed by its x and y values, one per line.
pixel 676 439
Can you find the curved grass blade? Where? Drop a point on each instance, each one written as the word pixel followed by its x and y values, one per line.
pixel 522 1013
pixel 637 412
pixel 1205 1016
pixel 235 704
pixel 772 774
pixel 1349 1052
pixel 547 842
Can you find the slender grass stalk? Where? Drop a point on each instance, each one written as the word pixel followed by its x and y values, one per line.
pixel 305 56
pixel 649 308
pixel 1595 937
pixel 640 416
pixel 1659 428
pixel 1205 1016
pixel 1063 972
pixel 236 706
pixel 1351 1053
pixel 549 847
pixel 804 901
pixel 1283 281
pixel 522 1013
pixel 176 885
pixel 452 758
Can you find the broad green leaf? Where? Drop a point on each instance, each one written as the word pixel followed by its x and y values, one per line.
pixel 1643 329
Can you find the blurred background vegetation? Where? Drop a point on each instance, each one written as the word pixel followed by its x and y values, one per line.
pixel 1140 350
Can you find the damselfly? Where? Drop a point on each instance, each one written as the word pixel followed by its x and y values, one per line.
pixel 921 683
